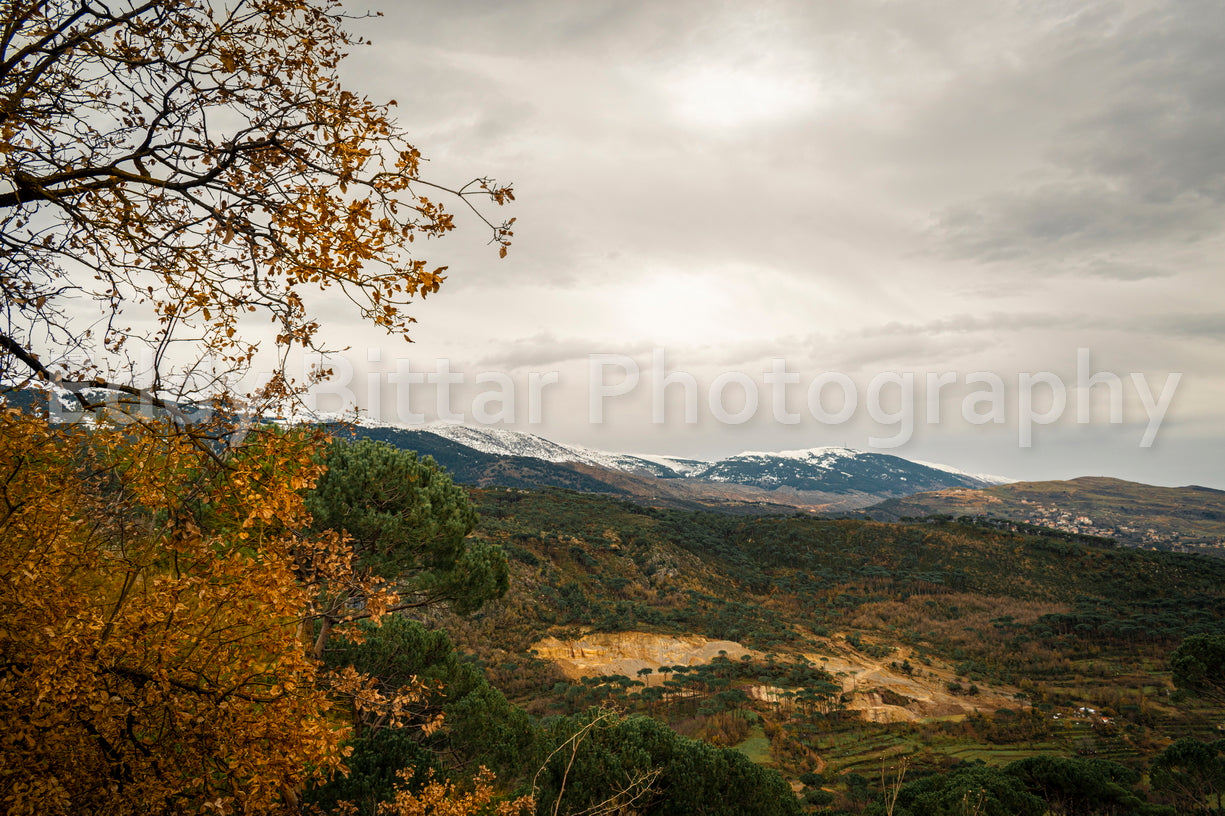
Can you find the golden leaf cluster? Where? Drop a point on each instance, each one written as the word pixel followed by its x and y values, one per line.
pixel 448 799
pixel 151 659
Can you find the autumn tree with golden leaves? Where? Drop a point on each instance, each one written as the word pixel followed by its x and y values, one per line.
pixel 184 166
pixel 150 650
pixel 171 170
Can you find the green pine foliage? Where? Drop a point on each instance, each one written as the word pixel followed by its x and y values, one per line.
pixel 642 765
pixel 408 520
pixel 970 789
pixel 1199 666
pixel 1192 773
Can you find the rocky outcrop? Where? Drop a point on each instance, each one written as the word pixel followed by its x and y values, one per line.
pixel 883 694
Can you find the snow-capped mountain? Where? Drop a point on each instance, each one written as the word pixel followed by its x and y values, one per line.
pixel 835 470
pixel 823 470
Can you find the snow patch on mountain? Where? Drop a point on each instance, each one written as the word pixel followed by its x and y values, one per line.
pixel 986 478
pixel 505 442
pixel 683 467
pixel 499 441
pixel 821 456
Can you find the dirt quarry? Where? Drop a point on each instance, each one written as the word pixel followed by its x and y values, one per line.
pixel 885 694
pixel 873 687
pixel 626 653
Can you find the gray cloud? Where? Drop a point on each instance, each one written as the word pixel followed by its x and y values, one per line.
pixel 1076 218
pixel 1190 326
pixel 1132 154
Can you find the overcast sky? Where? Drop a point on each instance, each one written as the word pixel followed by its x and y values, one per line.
pixel 872 189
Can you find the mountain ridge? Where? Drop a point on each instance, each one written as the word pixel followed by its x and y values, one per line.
pixel 821 479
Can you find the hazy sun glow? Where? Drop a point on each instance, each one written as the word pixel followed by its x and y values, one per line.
pixel 722 96
pixel 679 308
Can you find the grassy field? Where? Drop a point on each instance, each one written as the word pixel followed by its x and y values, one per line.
pixel 756 746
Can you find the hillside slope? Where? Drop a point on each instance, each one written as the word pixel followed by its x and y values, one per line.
pixel 936 627
pixel 1185 519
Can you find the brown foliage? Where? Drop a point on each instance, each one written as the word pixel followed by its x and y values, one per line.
pixel 448 799
pixel 953 618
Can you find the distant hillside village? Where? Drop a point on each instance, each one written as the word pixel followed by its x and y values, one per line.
pixel 1056 518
